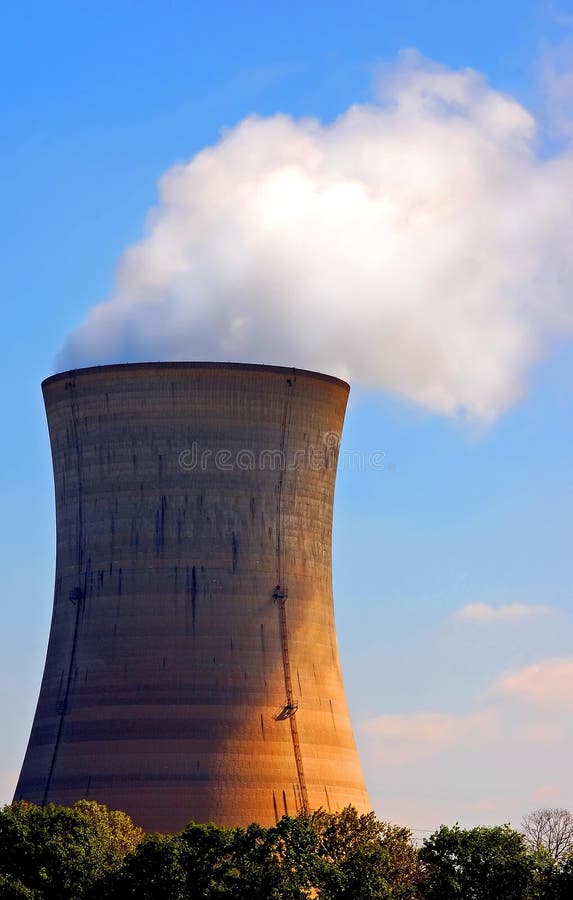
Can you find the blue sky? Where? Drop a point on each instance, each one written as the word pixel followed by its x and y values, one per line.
pixel 100 100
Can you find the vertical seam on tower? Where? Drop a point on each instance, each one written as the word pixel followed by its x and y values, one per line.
pixel 79 602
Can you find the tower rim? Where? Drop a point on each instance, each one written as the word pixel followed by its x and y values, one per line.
pixel 186 365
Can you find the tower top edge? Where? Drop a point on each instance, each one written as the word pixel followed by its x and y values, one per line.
pixel 190 367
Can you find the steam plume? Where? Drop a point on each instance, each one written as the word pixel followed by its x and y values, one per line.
pixel 418 244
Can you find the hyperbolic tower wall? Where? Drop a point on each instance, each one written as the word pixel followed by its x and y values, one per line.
pixel 192 670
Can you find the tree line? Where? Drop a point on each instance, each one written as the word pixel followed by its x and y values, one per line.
pixel 87 852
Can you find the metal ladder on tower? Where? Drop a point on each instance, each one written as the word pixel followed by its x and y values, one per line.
pixel 280 595
pixel 290 708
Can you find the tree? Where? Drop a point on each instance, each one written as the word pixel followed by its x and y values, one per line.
pixel 115 826
pixel 550 829
pixel 196 862
pixel 206 855
pixel 208 862
pixel 278 863
pixel 13 889
pixel 53 850
pixel 562 881
pixel 476 864
pixel 364 857
pixel 155 871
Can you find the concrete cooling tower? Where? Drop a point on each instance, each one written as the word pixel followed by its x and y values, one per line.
pixel 192 670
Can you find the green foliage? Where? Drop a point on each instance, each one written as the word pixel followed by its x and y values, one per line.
pixel 366 858
pixel 155 871
pixel 13 889
pixel 279 863
pixel 476 864
pixel 562 882
pixel 90 853
pixel 116 827
pixel 208 859
pixel 54 852
pixel 556 882
pixel 331 857
pixel 197 862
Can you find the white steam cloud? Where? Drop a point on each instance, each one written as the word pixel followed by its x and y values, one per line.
pixel 418 244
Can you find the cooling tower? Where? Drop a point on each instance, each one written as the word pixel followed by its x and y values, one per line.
pixel 192 670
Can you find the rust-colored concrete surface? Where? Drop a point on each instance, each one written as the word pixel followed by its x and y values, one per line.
pixel 192 671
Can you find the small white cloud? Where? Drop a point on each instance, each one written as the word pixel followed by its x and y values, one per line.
pixel 547 684
pixel 505 612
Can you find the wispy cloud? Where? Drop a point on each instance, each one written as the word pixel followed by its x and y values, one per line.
pixel 548 683
pixel 504 612
pixel 406 738
pixel 487 763
pixel 545 795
